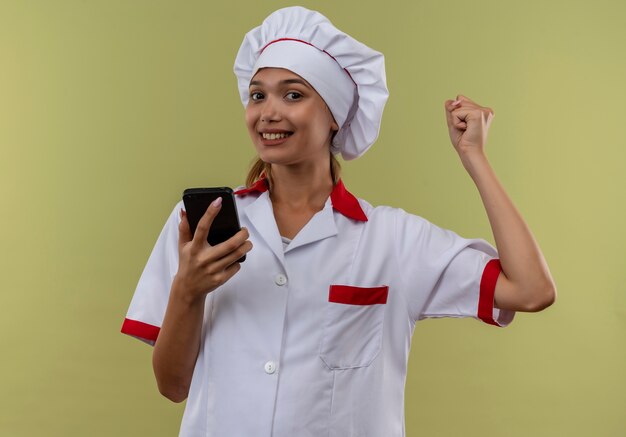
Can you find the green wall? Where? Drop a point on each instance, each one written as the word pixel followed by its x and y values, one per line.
pixel 109 109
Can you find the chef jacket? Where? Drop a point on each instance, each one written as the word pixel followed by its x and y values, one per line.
pixel 313 340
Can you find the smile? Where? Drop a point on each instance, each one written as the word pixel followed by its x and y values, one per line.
pixel 274 136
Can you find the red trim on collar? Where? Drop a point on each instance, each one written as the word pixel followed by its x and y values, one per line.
pixel 259 186
pixel 342 200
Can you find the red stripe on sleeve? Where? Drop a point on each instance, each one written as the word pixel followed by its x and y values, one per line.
pixel 488 290
pixel 358 295
pixel 140 329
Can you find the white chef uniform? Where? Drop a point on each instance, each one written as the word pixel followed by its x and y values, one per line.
pixel 314 340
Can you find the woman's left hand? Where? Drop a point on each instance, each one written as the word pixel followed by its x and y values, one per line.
pixel 468 123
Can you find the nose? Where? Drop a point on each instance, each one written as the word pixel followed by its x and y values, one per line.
pixel 270 110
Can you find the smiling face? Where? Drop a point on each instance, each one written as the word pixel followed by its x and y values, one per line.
pixel 288 121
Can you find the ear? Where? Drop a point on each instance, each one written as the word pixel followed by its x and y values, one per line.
pixel 333 124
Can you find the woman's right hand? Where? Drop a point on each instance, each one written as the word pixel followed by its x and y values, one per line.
pixel 202 267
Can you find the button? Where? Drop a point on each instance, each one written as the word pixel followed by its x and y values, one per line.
pixel 270 367
pixel 280 279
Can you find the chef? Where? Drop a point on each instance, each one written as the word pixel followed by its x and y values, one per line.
pixel 310 336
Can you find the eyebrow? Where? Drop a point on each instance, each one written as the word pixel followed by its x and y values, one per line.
pixel 282 82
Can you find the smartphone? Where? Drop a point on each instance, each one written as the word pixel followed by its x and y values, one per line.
pixel 226 222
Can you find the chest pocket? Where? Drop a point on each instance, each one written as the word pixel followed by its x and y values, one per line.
pixel 353 327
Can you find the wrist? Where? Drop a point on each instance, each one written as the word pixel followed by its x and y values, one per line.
pixel 474 163
pixel 184 293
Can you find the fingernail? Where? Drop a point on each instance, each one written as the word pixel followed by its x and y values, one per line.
pixel 217 202
pixel 456 102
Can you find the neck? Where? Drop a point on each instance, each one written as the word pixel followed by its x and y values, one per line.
pixel 304 186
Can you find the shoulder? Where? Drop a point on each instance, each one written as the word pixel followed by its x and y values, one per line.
pixel 385 214
pixel 406 227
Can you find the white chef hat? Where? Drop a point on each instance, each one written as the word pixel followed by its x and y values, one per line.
pixel 347 74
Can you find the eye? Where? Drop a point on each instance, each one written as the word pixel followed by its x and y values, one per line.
pixel 255 95
pixel 296 95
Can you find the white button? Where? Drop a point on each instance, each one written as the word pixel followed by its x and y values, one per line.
pixel 280 279
pixel 270 367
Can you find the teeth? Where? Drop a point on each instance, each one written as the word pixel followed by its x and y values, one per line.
pixel 274 136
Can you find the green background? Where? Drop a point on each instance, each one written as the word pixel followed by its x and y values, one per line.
pixel 109 109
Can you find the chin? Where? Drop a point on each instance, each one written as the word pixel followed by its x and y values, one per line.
pixel 275 157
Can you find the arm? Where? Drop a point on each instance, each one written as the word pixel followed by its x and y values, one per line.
pixel 176 349
pixel 202 268
pixel 525 283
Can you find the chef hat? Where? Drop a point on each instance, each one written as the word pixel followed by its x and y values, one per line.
pixel 347 74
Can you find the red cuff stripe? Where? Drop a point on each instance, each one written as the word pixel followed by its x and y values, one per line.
pixel 140 329
pixel 358 295
pixel 488 290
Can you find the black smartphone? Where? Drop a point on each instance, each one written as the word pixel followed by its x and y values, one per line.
pixel 226 222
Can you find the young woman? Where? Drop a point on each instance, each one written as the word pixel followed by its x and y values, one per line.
pixel 310 335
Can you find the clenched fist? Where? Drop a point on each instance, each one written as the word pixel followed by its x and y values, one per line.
pixel 468 124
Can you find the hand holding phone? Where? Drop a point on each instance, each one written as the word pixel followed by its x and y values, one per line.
pixel 202 267
pixel 225 224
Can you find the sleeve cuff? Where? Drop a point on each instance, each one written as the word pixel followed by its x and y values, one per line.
pixel 142 331
pixel 486 311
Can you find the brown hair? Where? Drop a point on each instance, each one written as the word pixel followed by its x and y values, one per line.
pixel 260 168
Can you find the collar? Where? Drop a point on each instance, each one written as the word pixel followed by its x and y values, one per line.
pixel 342 200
